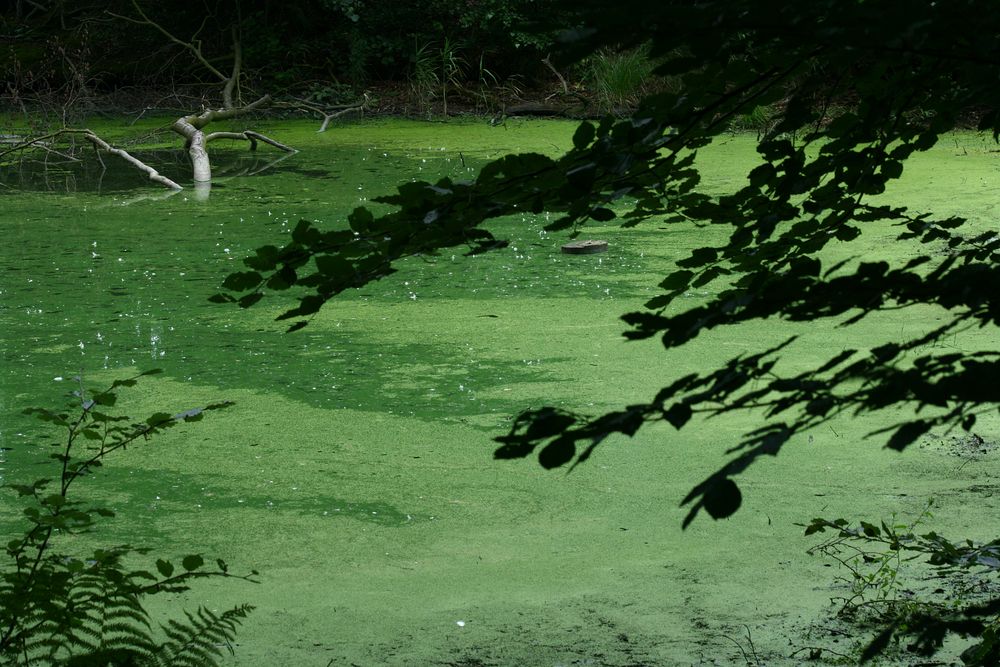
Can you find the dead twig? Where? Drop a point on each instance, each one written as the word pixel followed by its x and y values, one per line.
pixel 328 113
pixel 548 63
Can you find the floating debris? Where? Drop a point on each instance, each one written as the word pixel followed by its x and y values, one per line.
pixel 586 247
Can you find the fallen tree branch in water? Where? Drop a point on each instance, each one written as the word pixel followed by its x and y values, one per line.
pixel 328 113
pixel 100 144
pixel 252 137
pixel 153 175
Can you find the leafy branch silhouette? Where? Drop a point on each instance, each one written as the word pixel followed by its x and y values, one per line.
pixel 856 95
pixel 66 609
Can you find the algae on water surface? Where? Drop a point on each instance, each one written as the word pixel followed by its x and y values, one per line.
pixel 356 470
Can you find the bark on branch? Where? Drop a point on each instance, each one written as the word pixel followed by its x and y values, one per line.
pixel 252 137
pixel 190 127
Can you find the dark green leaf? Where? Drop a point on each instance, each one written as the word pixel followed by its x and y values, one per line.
pixel 870 530
pixel 106 398
pixel 892 169
pixel 192 562
pixel 678 280
pixel 266 259
pixel 816 526
pixel 907 433
pixel 558 452
pixel 678 415
pixel 333 266
pixel 304 233
pixel 360 220
pixel 762 174
pixel 242 281
pixel 248 300
pixel 548 422
pixel 583 135
pixel 722 498
pixel 165 567
pixel 699 257
pixel 848 233
pixel 282 279
pixel 158 419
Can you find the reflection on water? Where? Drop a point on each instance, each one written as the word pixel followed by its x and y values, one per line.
pixel 112 176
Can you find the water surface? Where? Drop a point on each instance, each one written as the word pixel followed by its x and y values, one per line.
pixel 355 470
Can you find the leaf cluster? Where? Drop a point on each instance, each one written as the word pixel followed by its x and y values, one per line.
pixel 821 162
pixel 58 607
pixel 857 89
pixel 874 554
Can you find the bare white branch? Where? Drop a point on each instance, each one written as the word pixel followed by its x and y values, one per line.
pixel 101 144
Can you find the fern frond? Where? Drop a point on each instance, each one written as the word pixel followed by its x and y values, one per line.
pixel 198 642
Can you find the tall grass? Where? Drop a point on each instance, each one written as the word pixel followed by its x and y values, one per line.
pixel 424 78
pixel 620 78
pixel 437 71
pixel 490 93
pixel 452 70
pixel 760 119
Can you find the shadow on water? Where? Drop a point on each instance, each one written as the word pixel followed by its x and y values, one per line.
pixel 156 498
pixel 107 175
pixel 89 286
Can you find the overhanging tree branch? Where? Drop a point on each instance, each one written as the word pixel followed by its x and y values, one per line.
pixel 806 195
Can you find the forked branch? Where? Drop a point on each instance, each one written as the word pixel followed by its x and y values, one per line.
pixel 328 113
pixel 194 47
pixel 548 63
pixel 190 127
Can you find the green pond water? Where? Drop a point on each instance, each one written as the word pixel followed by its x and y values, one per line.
pixel 355 470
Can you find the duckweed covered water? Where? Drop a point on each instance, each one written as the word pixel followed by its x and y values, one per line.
pixel 355 470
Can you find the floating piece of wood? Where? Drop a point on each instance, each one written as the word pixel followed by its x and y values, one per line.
pixel 587 247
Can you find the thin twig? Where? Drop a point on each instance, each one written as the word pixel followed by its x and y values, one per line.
pixel 193 47
pixel 328 113
pixel 548 63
